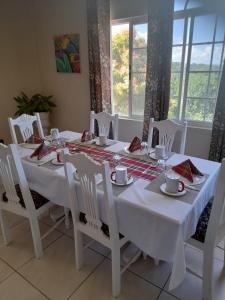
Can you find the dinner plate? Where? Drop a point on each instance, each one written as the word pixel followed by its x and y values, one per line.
pixel 56 162
pixel 196 179
pixel 30 146
pixel 152 155
pixel 130 180
pixel 178 194
pixel 137 152
pixel 46 158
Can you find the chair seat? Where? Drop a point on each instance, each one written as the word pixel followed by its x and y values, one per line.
pixel 203 221
pixel 38 199
pixel 104 228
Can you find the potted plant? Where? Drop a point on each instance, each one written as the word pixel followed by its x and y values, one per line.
pixel 37 103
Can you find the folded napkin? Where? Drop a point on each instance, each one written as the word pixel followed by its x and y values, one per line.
pixel 42 151
pixel 187 169
pixel 36 139
pixel 135 144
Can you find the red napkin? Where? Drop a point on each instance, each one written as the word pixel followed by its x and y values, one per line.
pixel 187 169
pixel 83 137
pixel 135 144
pixel 42 151
pixel 36 139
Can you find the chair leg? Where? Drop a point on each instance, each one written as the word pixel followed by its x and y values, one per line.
pixel 5 227
pixel 36 235
pixel 224 256
pixel 116 274
pixel 67 219
pixel 78 239
pixel 207 286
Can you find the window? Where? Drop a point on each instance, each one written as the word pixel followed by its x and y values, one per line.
pixel 129 56
pixel 197 57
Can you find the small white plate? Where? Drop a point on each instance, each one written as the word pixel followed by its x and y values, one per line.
pixel 178 194
pixel 108 142
pixel 130 180
pixel 152 155
pixel 30 146
pixel 196 179
pixel 137 152
pixel 46 158
pixel 56 162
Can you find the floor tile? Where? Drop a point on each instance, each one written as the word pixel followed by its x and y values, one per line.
pixel 55 274
pixel 21 249
pixel 192 283
pixel 15 287
pixel 13 220
pixel 98 286
pixel 5 271
pixel 98 247
pixel 147 270
pixel 166 296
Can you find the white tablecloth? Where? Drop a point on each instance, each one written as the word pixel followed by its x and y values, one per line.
pixel 156 223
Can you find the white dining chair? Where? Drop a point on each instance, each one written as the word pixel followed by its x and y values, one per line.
pixel 167 131
pixel 17 198
pixel 25 124
pixel 210 231
pixel 85 208
pixel 104 121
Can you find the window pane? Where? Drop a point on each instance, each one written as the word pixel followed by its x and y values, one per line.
pixel 197 84
pixel 140 34
pixel 174 84
pixel 139 60
pixel 204 29
pixel 120 68
pixel 210 106
pixel 195 109
pixel 176 58
pixel 179 5
pixel 213 84
pixel 194 4
pixel 138 102
pixel 173 108
pixel 178 31
pixel 139 83
pixel 217 57
pixel 200 57
pixel 220 30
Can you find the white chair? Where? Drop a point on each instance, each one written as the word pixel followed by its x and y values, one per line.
pixel 104 120
pixel 17 198
pixel 83 196
pixel 167 131
pixel 210 231
pixel 25 124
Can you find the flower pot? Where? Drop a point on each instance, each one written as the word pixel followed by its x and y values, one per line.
pixel 45 121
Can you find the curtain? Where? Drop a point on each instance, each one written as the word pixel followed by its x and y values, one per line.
pixel 217 146
pixel 159 55
pixel 98 19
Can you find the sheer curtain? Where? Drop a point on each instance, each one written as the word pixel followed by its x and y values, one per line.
pixel 159 55
pixel 217 146
pixel 98 18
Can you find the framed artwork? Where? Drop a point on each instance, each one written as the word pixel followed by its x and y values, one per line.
pixel 67 53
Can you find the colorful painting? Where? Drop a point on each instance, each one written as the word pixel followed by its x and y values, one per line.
pixel 67 53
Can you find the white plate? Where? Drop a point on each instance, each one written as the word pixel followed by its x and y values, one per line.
pixel 196 179
pixel 46 158
pixel 137 152
pixel 56 163
pixel 108 142
pixel 30 146
pixel 178 194
pixel 152 155
pixel 130 180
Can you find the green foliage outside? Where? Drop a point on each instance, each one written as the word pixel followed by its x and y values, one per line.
pixel 196 109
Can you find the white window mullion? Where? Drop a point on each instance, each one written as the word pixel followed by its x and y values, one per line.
pixel 130 67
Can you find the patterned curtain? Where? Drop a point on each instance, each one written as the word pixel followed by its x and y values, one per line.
pixel 217 147
pixel 98 16
pixel 159 55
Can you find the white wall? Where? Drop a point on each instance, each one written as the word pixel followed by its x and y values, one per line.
pixel 71 91
pixel 18 57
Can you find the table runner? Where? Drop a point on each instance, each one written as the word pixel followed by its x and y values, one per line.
pixel 135 166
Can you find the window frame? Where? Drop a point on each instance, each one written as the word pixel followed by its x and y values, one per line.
pixel 189 16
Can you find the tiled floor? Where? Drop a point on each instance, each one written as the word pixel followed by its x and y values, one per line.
pixel 55 277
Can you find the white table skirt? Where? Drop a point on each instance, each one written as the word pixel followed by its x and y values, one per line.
pixel 164 223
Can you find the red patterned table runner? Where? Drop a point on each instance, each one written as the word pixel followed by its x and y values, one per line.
pixel 136 167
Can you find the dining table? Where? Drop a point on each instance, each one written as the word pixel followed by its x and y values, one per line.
pixel 156 223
